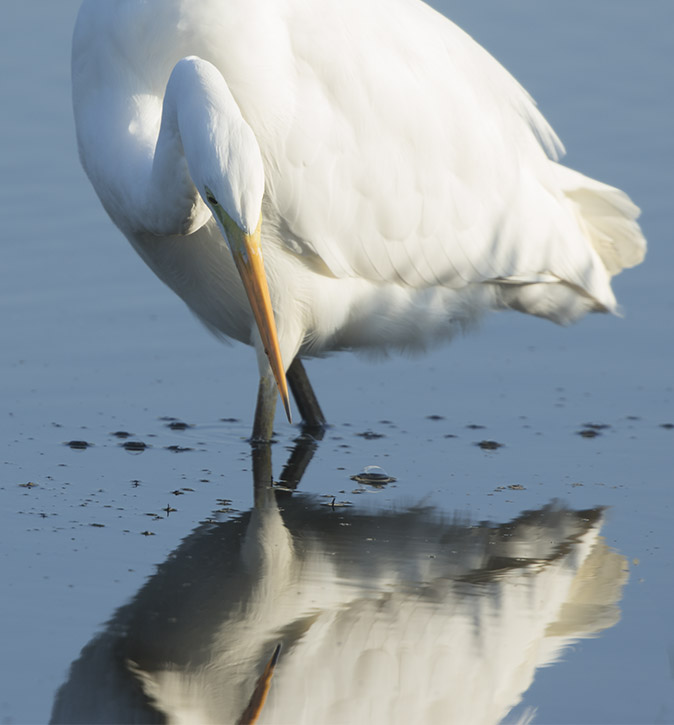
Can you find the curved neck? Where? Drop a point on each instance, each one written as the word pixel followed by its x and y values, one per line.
pixel 172 203
pixel 147 156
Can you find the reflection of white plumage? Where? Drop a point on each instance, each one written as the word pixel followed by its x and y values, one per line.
pixel 387 618
pixel 404 181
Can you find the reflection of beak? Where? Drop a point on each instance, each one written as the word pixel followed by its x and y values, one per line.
pixel 247 254
pixel 252 712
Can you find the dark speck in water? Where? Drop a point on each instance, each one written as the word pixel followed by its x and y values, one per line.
pixel 489 445
pixel 370 435
pixel 134 446
pixel 178 425
pixel 78 445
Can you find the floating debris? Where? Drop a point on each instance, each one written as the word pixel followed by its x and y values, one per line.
pixel 178 425
pixel 122 434
pixel 336 504
pixel 588 433
pixel 435 417
pixel 134 446
pixel 370 435
pixel 373 475
pixel 667 426
pixel 78 445
pixel 179 449
pixel 29 484
pixel 596 426
pixel 474 426
pixel 147 533
pixel 489 445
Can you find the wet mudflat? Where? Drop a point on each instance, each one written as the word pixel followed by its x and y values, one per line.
pixel 124 426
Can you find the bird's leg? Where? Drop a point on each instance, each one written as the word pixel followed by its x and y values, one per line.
pixel 305 398
pixel 265 410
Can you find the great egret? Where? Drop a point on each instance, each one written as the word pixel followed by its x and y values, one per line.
pixel 398 180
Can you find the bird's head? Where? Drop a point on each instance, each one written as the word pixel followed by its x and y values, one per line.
pixel 243 239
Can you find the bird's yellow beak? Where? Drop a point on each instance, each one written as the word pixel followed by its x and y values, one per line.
pixel 247 254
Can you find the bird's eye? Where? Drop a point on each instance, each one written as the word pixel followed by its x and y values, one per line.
pixel 211 199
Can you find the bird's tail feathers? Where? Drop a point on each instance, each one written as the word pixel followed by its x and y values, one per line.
pixel 607 216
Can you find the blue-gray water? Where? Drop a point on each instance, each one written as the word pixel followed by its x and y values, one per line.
pixel 93 344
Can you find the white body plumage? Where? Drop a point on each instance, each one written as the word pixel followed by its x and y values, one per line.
pixel 410 184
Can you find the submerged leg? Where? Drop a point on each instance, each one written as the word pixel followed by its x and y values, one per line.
pixel 305 398
pixel 263 426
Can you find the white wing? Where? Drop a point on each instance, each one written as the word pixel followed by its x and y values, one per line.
pixel 406 157
pixel 398 150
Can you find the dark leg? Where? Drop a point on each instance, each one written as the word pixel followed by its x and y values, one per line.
pixel 304 395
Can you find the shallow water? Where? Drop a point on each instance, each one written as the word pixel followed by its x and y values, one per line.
pixel 94 345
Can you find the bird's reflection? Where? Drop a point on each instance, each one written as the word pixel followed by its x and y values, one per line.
pixel 400 616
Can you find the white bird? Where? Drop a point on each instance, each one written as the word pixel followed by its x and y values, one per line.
pixel 397 179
